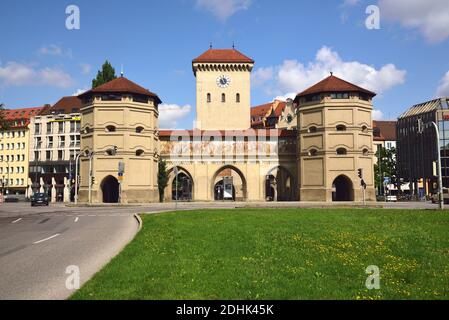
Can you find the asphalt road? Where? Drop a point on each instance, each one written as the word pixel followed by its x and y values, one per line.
pixel 38 244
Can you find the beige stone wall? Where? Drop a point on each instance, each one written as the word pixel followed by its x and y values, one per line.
pixel 318 140
pixel 218 115
pixel 140 179
pixel 249 171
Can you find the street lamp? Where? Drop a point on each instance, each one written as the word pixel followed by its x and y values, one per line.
pixel 90 155
pixel 421 127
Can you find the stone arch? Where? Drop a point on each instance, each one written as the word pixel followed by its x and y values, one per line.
pixel 239 186
pixel 279 184
pixel 110 189
pixel 187 188
pixel 342 189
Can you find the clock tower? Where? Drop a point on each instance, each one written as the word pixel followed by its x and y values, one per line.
pixel 223 99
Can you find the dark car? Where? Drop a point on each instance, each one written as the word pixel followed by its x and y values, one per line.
pixel 39 199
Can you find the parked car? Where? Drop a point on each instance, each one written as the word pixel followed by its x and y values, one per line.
pixel 11 198
pixel 39 199
pixel 392 198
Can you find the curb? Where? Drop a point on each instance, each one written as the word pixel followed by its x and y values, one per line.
pixel 139 221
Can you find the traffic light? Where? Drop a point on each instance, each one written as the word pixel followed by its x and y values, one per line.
pixel 360 173
pixel 93 181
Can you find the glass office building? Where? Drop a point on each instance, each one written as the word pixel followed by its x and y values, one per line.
pixel 416 152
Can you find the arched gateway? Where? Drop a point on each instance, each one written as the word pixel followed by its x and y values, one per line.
pixel 342 189
pixel 110 189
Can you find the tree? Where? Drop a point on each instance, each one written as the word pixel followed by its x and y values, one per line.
pixel 162 178
pixel 106 74
pixel 388 166
pixel 3 123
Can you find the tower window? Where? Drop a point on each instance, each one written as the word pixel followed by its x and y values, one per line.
pixel 312 129
pixel 364 128
pixel 139 129
pixel 209 98
pixel 341 127
pixel 237 97
pixel 110 129
pixel 365 152
pixel 342 151
pixel 139 153
pixel 313 152
pixel 223 97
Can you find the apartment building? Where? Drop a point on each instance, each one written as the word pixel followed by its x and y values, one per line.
pixel 14 150
pixel 55 142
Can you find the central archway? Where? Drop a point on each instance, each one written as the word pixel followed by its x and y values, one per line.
pixel 342 189
pixel 185 185
pixel 229 183
pixel 110 189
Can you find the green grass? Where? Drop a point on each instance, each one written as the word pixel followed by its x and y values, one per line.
pixel 280 254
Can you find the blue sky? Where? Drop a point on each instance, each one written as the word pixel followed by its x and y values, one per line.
pixel 295 44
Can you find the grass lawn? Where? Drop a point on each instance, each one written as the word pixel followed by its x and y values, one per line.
pixel 280 254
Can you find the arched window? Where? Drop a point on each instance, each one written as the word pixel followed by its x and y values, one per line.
pixel 313 152
pixel 312 129
pixel 209 99
pixel 365 152
pixel 237 98
pixel 223 97
pixel 139 153
pixel 342 151
pixel 364 128
pixel 139 129
pixel 110 129
pixel 341 127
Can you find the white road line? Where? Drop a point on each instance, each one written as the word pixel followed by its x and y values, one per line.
pixel 53 236
pixel 76 219
pixel 15 221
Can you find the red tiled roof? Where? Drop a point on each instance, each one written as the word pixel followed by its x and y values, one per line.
pixel 279 108
pixel 227 133
pixel 223 55
pixel 261 110
pixel 334 84
pixel 387 130
pixel 21 114
pixel 65 105
pixel 121 85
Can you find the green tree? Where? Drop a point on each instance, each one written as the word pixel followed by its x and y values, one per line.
pixel 106 74
pixel 162 178
pixel 388 166
pixel 3 123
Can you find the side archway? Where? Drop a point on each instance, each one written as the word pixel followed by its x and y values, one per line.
pixel 279 185
pixel 184 186
pixel 342 189
pixel 110 189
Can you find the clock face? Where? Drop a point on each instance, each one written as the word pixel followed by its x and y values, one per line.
pixel 223 81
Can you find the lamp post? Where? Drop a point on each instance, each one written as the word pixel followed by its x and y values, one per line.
pixel 90 155
pixel 421 127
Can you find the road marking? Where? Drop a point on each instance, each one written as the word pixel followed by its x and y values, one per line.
pixel 15 221
pixel 53 236
pixel 76 219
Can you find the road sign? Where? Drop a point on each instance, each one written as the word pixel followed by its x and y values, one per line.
pixel 121 167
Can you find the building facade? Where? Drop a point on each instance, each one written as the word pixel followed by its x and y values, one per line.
pixel 335 140
pixel 309 150
pixel 417 152
pixel 119 143
pixel 14 150
pixel 54 144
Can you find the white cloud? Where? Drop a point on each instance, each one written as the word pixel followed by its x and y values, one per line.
pixel 262 75
pixel 79 91
pixel 223 9
pixel 430 17
pixel 350 3
pixel 170 114
pixel 85 68
pixel 377 115
pixel 443 88
pixel 290 95
pixel 17 74
pixel 295 76
pixel 55 50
